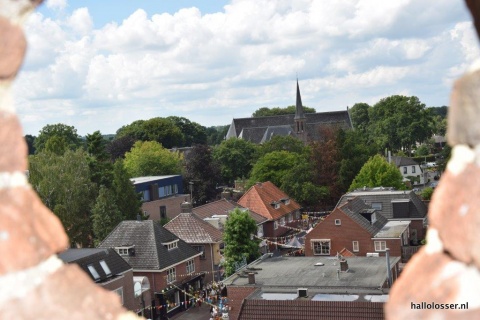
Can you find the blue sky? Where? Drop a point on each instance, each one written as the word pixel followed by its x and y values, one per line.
pixel 99 65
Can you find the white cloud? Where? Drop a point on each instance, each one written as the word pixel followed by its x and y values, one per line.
pixel 210 68
pixel 56 4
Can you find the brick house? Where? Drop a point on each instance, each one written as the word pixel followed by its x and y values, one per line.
pixel 107 269
pixel 169 263
pixel 394 205
pixel 273 204
pixel 161 195
pixel 202 236
pixel 355 228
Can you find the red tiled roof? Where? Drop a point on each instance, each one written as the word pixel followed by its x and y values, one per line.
pixel 192 229
pixel 223 207
pixel 310 310
pixel 260 196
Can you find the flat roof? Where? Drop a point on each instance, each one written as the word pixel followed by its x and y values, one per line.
pixel 302 272
pixel 151 178
pixel 393 229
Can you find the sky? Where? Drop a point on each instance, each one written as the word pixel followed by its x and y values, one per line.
pixel 100 65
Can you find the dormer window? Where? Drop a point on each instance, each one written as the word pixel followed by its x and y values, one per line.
pixel 286 201
pixel 275 204
pixel 374 218
pixel 171 245
pixel 126 250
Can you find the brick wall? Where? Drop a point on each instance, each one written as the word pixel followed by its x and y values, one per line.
pixel 125 282
pixel 172 205
pixel 34 282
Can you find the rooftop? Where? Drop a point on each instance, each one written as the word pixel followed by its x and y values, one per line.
pixel 149 179
pixel 393 229
pixel 192 229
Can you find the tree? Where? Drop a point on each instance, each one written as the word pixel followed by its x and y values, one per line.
pixel 204 171
pixel 215 135
pixel 118 147
pixel 125 197
pixel 68 133
pixel 273 167
pixel 158 129
pixel 57 145
pixel 377 172
pixel 264 112
pixel 239 242
pixel 149 158
pixel 236 157
pixel 105 215
pixel 427 193
pixel 360 117
pixel 98 159
pixel 63 184
pixel 282 143
pixel 193 132
pixel 30 140
pixel 398 122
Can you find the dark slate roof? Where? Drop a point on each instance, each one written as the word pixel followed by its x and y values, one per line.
pixel 403 161
pixel 148 238
pixel 416 207
pixel 309 310
pixel 86 257
pixel 276 131
pixel 192 229
pixel 354 207
pixel 253 129
pixel 223 207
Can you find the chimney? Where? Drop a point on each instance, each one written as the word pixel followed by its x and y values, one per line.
pixel 251 278
pixel 226 195
pixel 139 217
pixel 186 207
pixel 343 265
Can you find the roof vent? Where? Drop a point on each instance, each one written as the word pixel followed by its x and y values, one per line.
pixel 302 292
pixel 251 278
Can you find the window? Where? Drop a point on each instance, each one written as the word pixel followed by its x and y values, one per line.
pixel 338 222
pixel 172 299
pixel 297 215
pixel 119 291
pixel 356 246
pixel 163 212
pixel 93 272
pixel 275 225
pixel 202 250
pixel 321 247
pixel 413 169
pixel 190 266
pixel 171 275
pixel 377 205
pixel 405 169
pixel 105 268
pixel 123 251
pixel 171 245
pixel 126 250
pixel 161 192
pixel 282 221
pixel 260 231
pixel 277 205
pixel 146 195
pixel 290 217
pixel 175 189
pixel 380 245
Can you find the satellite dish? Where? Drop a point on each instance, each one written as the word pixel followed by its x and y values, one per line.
pixel 137 288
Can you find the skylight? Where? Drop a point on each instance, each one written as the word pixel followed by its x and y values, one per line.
pixel 93 272
pixel 105 268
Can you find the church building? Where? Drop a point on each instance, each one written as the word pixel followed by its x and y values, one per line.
pixel 304 126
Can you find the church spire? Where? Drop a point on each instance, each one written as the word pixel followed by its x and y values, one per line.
pixel 299 106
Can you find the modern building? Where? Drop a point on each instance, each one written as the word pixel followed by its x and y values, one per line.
pixel 304 126
pixel 169 263
pixel 162 196
pixel 311 288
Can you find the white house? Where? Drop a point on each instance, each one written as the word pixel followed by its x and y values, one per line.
pixel 409 168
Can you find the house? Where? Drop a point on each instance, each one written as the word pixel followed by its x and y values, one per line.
pixel 107 269
pixel 218 211
pixel 169 263
pixel 161 195
pixel 410 170
pixel 395 205
pixel 354 228
pixel 202 236
pixel 311 288
pixel 304 126
pixel 281 212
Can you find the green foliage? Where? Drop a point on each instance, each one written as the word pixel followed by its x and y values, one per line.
pixel 30 140
pixel 236 157
pixel 273 167
pixel 105 215
pixel 422 150
pixel 215 135
pixel 149 158
pixel 67 138
pixel 377 172
pixel 264 112
pixel 282 143
pixel 193 132
pixel 125 197
pixel 360 118
pixel 57 145
pixel 237 236
pixel 398 122
pixel 203 171
pixel 63 184
pixel 427 193
pixel 158 129
pixel 118 147
pixel 98 159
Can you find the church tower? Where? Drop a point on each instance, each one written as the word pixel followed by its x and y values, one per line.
pixel 300 120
